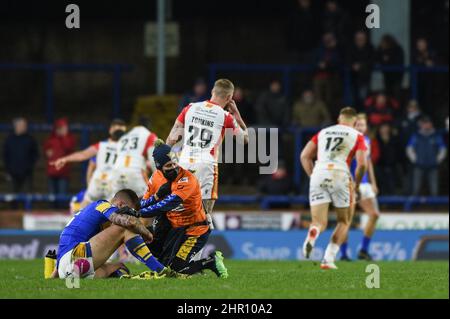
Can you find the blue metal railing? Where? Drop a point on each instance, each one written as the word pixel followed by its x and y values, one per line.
pixel 51 69
pixel 265 202
pixel 286 70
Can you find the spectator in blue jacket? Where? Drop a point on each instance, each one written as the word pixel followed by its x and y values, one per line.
pixel 20 154
pixel 426 150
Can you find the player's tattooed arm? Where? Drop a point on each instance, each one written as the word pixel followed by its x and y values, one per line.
pixel 131 223
pixel 176 134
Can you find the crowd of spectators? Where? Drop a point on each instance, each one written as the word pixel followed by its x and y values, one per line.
pixel 21 152
pixel 406 146
pixel 397 122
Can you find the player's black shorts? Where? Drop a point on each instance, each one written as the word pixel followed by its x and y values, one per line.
pixel 172 246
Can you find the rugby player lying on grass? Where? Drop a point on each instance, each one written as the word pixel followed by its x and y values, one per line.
pixel 94 234
pixel 182 230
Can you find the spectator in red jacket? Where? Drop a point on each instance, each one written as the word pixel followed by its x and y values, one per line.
pixel 60 143
pixel 381 109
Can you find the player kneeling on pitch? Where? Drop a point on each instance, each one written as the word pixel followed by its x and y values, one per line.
pixel 94 234
pixel 174 198
pixel 331 181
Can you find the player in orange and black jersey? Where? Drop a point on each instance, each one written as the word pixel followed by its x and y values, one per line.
pixel 174 198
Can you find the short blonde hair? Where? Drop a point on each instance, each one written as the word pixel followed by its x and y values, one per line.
pixel 361 116
pixel 348 112
pixel 223 88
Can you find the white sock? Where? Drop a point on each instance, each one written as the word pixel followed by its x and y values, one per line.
pixel 331 252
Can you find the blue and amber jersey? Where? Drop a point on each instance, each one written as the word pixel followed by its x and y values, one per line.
pixel 84 225
pixel 76 200
pixel 365 178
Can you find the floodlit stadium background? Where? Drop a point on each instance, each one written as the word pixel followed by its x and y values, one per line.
pixel 109 68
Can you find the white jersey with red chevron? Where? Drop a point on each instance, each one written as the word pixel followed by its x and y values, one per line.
pixel 133 149
pixel 336 147
pixel 106 155
pixel 204 127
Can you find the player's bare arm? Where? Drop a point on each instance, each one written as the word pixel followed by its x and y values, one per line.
pixel 361 160
pixel 131 223
pixel 176 133
pixel 372 177
pixel 307 157
pixel 90 171
pixel 234 111
pixel 80 156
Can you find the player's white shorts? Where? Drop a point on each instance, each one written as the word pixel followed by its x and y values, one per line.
pixel 366 191
pixel 99 186
pixel 208 177
pixel 67 267
pixel 128 179
pixel 331 186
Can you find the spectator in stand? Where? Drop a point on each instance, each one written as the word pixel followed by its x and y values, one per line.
pixel 271 108
pixel 199 93
pixel 388 148
pixel 409 123
pixel 302 39
pixel 425 57
pixel 426 150
pixel 326 77
pixel 335 20
pixel 381 109
pixel 360 59
pixel 390 53
pixel 310 111
pixel 60 143
pixel 245 107
pixel 278 183
pixel 20 154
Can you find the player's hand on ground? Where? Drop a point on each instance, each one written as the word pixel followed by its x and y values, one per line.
pixel 128 211
pixel 164 190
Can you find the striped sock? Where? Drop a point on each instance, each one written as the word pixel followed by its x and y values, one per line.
pixel 138 248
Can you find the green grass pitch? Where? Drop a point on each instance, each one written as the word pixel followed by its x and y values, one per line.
pixel 248 279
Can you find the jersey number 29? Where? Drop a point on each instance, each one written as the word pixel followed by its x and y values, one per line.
pixel 203 134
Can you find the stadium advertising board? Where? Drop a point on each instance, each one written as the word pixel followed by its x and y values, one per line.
pixel 400 221
pixel 47 221
pixel 275 245
pixel 26 245
pixel 256 220
pixel 392 245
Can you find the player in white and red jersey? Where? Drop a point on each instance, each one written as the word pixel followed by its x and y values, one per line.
pixel 331 181
pixel 134 158
pixel 203 126
pixel 104 152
